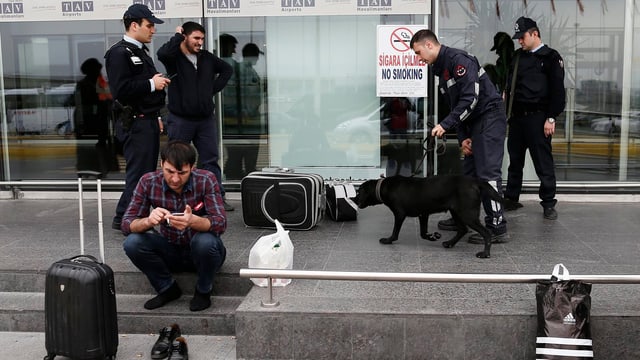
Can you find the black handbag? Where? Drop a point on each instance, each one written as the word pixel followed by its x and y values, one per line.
pixel 340 205
pixel 564 328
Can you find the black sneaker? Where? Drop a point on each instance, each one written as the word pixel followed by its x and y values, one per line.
pixel 550 213
pixel 476 238
pixel 447 225
pixel 510 205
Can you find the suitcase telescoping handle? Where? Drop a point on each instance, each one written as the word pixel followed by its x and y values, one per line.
pixel 98 176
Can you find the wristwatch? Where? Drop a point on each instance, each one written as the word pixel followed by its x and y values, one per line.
pixel 551 120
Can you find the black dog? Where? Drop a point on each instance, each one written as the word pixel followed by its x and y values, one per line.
pixel 414 196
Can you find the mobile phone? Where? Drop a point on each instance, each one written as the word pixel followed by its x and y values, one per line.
pixel 169 76
pixel 177 214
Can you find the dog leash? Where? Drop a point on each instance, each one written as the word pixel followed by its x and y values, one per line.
pixel 428 145
pixel 378 186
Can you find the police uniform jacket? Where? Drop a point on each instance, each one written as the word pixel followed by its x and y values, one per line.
pixel 466 87
pixel 129 69
pixel 191 91
pixel 539 82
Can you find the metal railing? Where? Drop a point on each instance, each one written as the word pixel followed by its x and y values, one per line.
pixel 270 274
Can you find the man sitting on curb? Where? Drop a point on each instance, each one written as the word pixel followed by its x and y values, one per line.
pixel 186 204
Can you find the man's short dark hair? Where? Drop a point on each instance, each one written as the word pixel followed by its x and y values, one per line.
pixel 178 153
pixel 422 35
pixel 190 26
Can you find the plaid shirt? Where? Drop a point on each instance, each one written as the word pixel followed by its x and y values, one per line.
pixel 202 190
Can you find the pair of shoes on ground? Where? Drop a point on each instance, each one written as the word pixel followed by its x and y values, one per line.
pixel 476 238
pixel 170 345
pixel 199 302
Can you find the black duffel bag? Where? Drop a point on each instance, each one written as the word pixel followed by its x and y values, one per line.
pixel 340 204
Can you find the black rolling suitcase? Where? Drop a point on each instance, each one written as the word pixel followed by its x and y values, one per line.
pixel 80 301
pixel 296 200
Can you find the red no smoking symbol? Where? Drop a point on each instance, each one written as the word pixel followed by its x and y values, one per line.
pixel 400 39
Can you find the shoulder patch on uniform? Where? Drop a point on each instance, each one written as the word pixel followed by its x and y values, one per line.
pixel 460 71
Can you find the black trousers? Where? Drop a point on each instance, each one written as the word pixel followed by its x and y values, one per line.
pixel 141 148
pixel 487 142
pixel 526 131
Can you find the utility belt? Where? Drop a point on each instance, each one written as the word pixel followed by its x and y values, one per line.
pixel 150 115
pixel 127 115
pixel 526 109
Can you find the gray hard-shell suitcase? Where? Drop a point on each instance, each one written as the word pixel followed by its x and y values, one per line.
pixel 296 200
pixel 80 301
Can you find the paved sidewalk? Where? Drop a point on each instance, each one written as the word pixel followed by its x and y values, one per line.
pixel 30 346
pixel 593 235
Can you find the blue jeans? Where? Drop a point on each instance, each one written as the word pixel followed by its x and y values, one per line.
pixel 157 258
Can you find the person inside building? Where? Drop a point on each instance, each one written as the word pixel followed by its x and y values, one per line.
pixel 242 158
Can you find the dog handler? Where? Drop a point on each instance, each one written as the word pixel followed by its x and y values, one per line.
pixel 478 114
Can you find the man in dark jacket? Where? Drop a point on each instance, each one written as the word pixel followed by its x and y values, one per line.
pixel 536 99
pixel 478 115
pixel 198 76
pixel 138 87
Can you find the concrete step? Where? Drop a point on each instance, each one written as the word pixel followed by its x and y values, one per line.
pixel 24 311
pixel 31 345
pixel 225 284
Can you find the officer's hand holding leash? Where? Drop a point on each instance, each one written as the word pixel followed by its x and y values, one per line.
pixel 549 127
pixel 438 131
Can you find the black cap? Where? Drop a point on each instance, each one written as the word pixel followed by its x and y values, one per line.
pixel 140 11
pixel 500 39
pixel 522 25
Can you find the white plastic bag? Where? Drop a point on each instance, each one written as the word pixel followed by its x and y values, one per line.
pixel 274 251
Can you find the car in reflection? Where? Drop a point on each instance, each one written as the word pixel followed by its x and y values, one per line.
pixel 40 111
pixel 368 128
pixel 613 123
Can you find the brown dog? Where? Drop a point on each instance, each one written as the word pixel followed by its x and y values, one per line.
pixel 421 197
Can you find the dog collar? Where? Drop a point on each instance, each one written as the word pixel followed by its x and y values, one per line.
pixel 378 186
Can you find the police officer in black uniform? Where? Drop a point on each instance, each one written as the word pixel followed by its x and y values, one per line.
pixel 478 115
pixel 138 92
pixel 535 101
